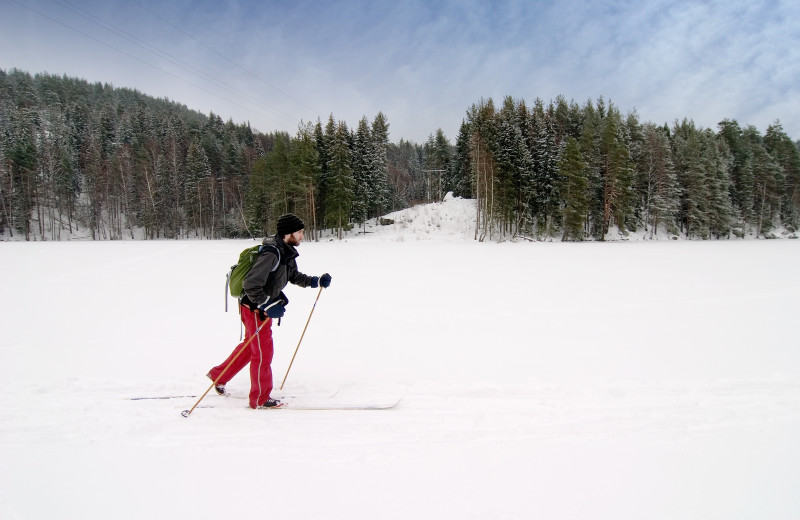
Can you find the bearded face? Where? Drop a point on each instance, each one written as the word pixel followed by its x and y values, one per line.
pixel 295 238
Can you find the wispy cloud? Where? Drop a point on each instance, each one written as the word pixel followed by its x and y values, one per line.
pixel 423 63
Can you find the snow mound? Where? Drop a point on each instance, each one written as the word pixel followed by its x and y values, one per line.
pixel 451 219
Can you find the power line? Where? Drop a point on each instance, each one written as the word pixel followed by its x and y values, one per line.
pixel 240 67
pixel 132 56
pixel 165 55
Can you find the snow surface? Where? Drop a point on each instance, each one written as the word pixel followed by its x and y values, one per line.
pixel 625 380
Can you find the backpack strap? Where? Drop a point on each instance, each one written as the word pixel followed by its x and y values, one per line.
pixel 273 249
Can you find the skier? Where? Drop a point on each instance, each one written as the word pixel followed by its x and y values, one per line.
pixel 263 286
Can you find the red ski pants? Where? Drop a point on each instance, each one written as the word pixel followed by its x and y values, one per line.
pixel 260 358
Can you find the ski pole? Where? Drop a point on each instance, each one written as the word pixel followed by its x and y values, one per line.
pixel 301 338
pixel 187 413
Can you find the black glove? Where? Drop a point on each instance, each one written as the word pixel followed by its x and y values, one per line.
pixel 325 280
pixel 275 311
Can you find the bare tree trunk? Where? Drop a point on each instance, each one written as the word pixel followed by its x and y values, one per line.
pixel 314 235
pixel 761 213
pixel 5 199
pixel 125 196
pixel 155 222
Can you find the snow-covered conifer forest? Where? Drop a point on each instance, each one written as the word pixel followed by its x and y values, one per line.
pixel 81 160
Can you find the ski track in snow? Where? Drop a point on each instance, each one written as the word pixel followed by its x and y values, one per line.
pixel 642 412
pixel 539 380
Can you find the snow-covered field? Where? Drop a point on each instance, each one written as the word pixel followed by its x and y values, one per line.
pixel 635 380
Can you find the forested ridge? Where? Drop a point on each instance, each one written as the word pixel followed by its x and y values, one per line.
pixel 82 159
pixel 574 172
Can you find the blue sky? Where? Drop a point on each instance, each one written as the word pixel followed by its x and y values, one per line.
pixel 422 63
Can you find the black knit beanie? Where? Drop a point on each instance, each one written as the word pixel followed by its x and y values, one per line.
pixel 288 224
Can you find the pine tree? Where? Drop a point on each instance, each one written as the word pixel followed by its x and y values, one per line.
pixel 787 156
pixel 616 173
pixel 484 134
pixel 740 166
pixel 198 171
pixel 567 118
pixel 692 176
pixel 575 188
pixel 22 162
pixel 340 183
pixel 170 183
pixel 151 217
pixel 590 150
pixel 285 192
pixel 327 176
pixel 661 197
pixel 379 173
pixel 720 211
pixel 767 177
pixel 321 143
pixel 305 163
pixel 258 200
pixel 515 171
pixel 362 165
pixel 96 186
pixel 458 178
pixel 634 140
pixel 757 182
pixel 437 156
pixel 546 178
pixel 403 166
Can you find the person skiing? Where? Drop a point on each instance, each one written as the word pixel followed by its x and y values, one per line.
pixel 263 286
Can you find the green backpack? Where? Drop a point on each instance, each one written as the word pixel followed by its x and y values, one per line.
pixel 238 271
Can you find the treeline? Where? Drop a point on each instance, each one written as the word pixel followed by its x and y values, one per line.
pixel 113 163
pixel 575 172
pixel 79 157
pixel 89 159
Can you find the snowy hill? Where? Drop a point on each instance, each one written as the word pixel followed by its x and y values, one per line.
pixel 539 380
pixel 454 219
pixel 451 219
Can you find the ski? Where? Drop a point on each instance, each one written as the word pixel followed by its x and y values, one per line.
pixel 291 402
pixel 343 406
pixel 147 398
pixel 322 405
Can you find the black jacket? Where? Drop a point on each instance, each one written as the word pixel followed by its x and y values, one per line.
pixel 262 283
